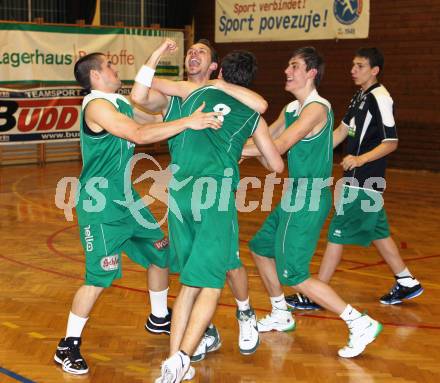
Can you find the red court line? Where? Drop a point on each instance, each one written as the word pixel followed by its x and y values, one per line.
pixel 242 241
pixel 346 260
pixel 370 265
pixel 70 275
pixel 420 326
pixel 405 260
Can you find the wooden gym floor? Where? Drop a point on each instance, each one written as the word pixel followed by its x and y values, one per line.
pixel 42 266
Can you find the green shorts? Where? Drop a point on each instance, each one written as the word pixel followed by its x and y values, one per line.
pixel 203 241
pixel 103 244
pixel 291 238
pixel 355 226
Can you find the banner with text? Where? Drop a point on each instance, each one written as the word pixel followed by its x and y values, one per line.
pixel 41 114
pixel 286 20
pixel 46 54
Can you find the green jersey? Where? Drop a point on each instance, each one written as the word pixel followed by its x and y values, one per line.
pixel 312 157
pixel 105 158
pixel 209 152
pixel 174 112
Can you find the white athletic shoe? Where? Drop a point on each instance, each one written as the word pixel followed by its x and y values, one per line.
pixel 248 339
pixel 363 331
pixel 175 369
pixel 210 342
pixel 277 320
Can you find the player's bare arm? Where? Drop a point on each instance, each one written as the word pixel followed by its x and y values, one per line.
pixel 339 134
pixel 141 93
pixel 248 97
pixel 271 158
pixel 311 120
pixel 275 130
pixel 277 127
pixel 101 113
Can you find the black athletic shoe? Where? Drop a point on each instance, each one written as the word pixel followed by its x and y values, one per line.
pixel 301 302
pixel 159 325
pixel 69 356
pixel 400 292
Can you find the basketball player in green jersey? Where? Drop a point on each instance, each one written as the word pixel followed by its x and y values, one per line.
pixel 283 247
pixel 200 62
pixel 106 223
pixel 205 240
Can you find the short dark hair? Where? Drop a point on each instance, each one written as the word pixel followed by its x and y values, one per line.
pixel 313 60
pixel 214 54
pixel 83 67
pixel 239 67
pixel 374 56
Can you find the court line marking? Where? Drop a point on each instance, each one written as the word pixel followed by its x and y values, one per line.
pixel 15 376
pixel 142 291
pixel 352 269
pixel 14 189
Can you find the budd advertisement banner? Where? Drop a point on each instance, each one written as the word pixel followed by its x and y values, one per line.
pixel 41 114
pixel 287 20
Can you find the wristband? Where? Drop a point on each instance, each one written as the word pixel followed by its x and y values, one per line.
pixel 145 76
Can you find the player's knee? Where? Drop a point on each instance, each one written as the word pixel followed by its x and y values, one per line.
pixel 235 273
pixel 214 293
pixel 256 256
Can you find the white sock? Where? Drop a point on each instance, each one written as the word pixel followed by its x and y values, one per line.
pixel 408 281
pixel 279 302
pixel 243 305
pixel 350 314
pixel 404 274
pixel 75 325
pixel 158 301
pixel 184 355
pixel 405 278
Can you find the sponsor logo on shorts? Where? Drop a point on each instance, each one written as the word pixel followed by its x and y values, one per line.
pixel 285 274
pixel 88 237
pixel 337 233
pixel 161 244
pixel 110 263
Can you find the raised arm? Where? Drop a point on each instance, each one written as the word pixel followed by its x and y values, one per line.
pixel 271 157
pixel 141 93
pixel 161 85
pixel 101 115
pixel 246 96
